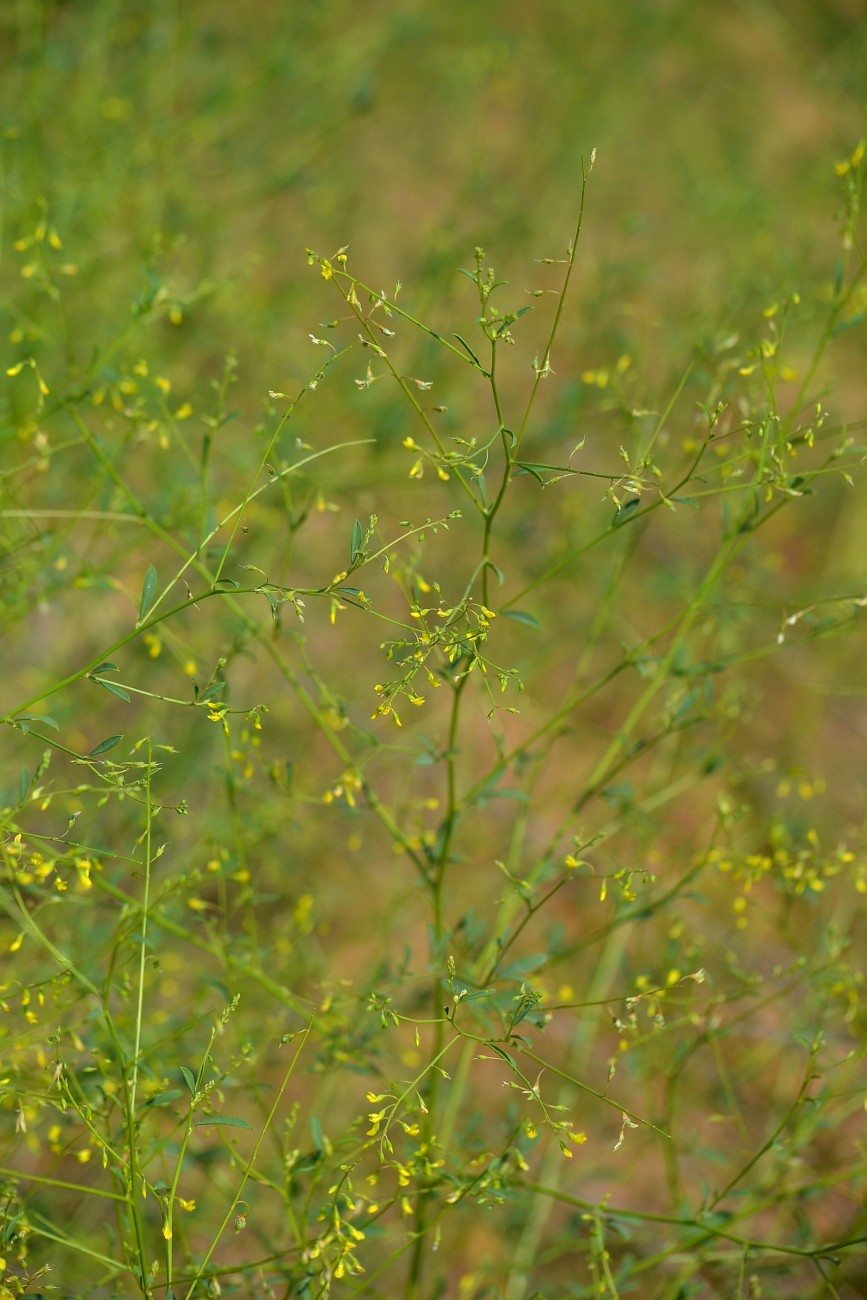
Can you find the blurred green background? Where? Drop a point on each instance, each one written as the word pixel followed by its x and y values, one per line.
pixel 217 141
pixel 187 153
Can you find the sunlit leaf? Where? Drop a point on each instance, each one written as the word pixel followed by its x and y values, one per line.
pixel 148 592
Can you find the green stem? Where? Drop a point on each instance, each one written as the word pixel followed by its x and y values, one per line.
pixel 250 1165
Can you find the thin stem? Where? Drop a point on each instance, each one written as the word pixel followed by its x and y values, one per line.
pixel 544 369
pixel 251 1162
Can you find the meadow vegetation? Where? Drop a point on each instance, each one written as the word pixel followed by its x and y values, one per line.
pixel 432 518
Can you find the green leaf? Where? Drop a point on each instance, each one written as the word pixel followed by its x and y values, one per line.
pixel 849 323
pixel 495 568
pixel 355 544
pixel 36 717
pixel 148 591
pixel 212 692
pixel 107 667
pixel 9 1227
pixel 223 1120
pixel 703 668
pixel 625 513
pixel 105 745
pixel 488 790
pixel 189 1080
pixel 524 467
pixel 163 1098
pixel 521 616
pixel 523 966
pixel 115 690
pixel 463 342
